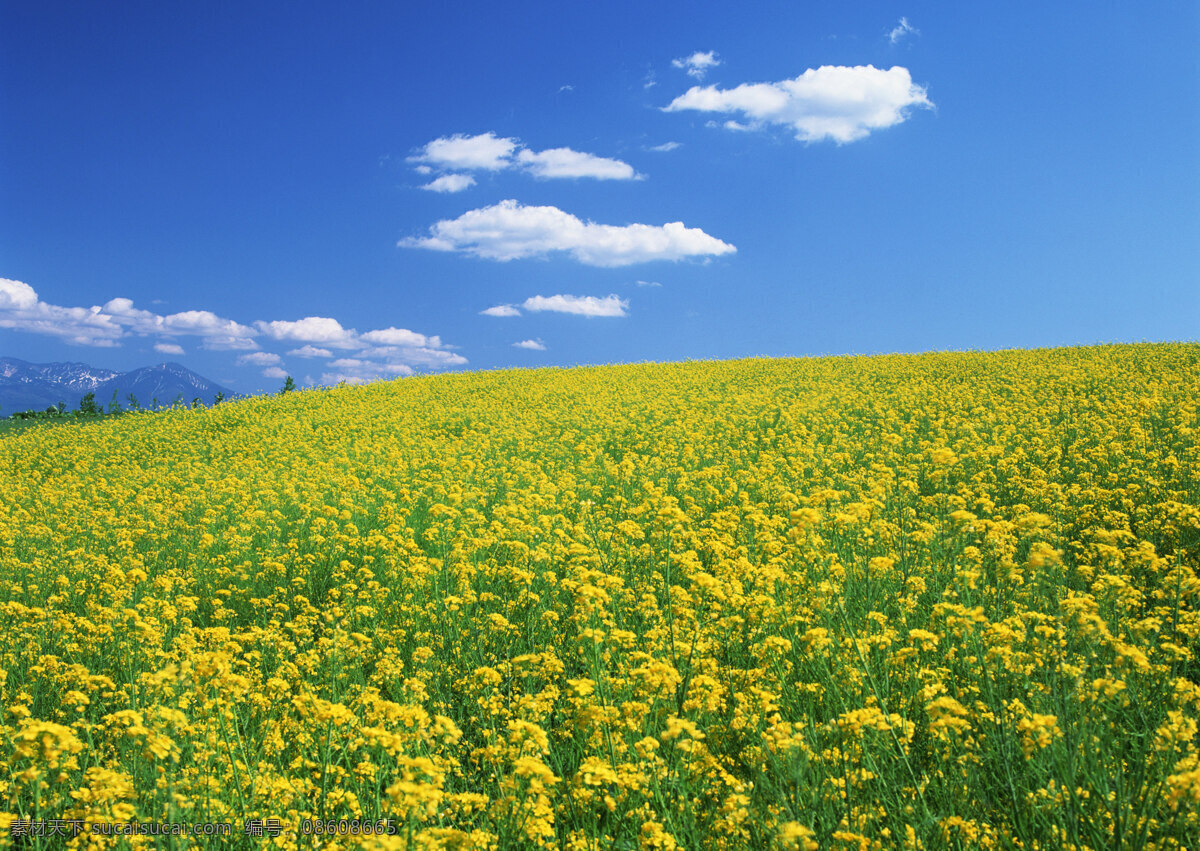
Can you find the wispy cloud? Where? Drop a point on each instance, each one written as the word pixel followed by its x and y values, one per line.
pixel 664 147
pixel 259 359
pixel 564 162
pixel 901 30
pixel 489 152
pixel 307 351
pixel 450 183
pixel 580 305
pixel 698 63
pixel 831 102
pixel 501 310
pixel 649 284
pixel 509 230
pixel 360 371
pixel 532 345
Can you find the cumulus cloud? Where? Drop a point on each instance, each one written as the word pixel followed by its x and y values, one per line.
pixel 450 183
pixel 501 310
pixel 118 319
pixel 274 372
pixel 564 162
pixel 22 310
pixel 698 63
pixel 259 359
pixel 205 323
pixel 216 331
pixel 381 353
pixel 831 102
pixel 901 30
pixel 17 295
pixel 80 325
pixel 310 329
pixel 488 152
pixel 399 337
pixel 580 305
pixel 509 231
pixel 307 351
pixel 533 345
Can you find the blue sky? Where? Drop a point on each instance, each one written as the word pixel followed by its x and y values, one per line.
pixel 368 190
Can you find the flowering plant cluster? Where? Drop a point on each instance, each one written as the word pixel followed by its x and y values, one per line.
pixel 936 601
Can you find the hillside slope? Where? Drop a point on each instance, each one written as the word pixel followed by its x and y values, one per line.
pixel 755 604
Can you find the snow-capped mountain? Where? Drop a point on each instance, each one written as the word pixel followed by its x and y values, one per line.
pixel 37 386
pixel 73 376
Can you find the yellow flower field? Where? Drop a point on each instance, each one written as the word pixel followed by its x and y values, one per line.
pixel 935 601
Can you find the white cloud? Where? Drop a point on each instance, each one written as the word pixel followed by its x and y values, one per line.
pixel 259 359
pixel 398 337
pixel 217 332
pixel 533 345
pixel 229 344
pixel 581 305
pixel 204 323
pixel 311 329
pixel 665 147
pixel 17 295
pixel 118 319
pixel 831 102
pixel 501 310
pixel 427 356
pixel 564 162
pixel 649 284
pixel 107 325
pixel 451 183
pixel 509 230
pixel 359 371
pixel 488 152
pixel 382 353
pixel 485 151
pixel 311 352
pixel 79 325
pixel 22 310
pixel 698 63
pixel 274 372
pixel 901 30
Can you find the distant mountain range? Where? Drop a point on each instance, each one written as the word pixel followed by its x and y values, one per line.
pixel 37 386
